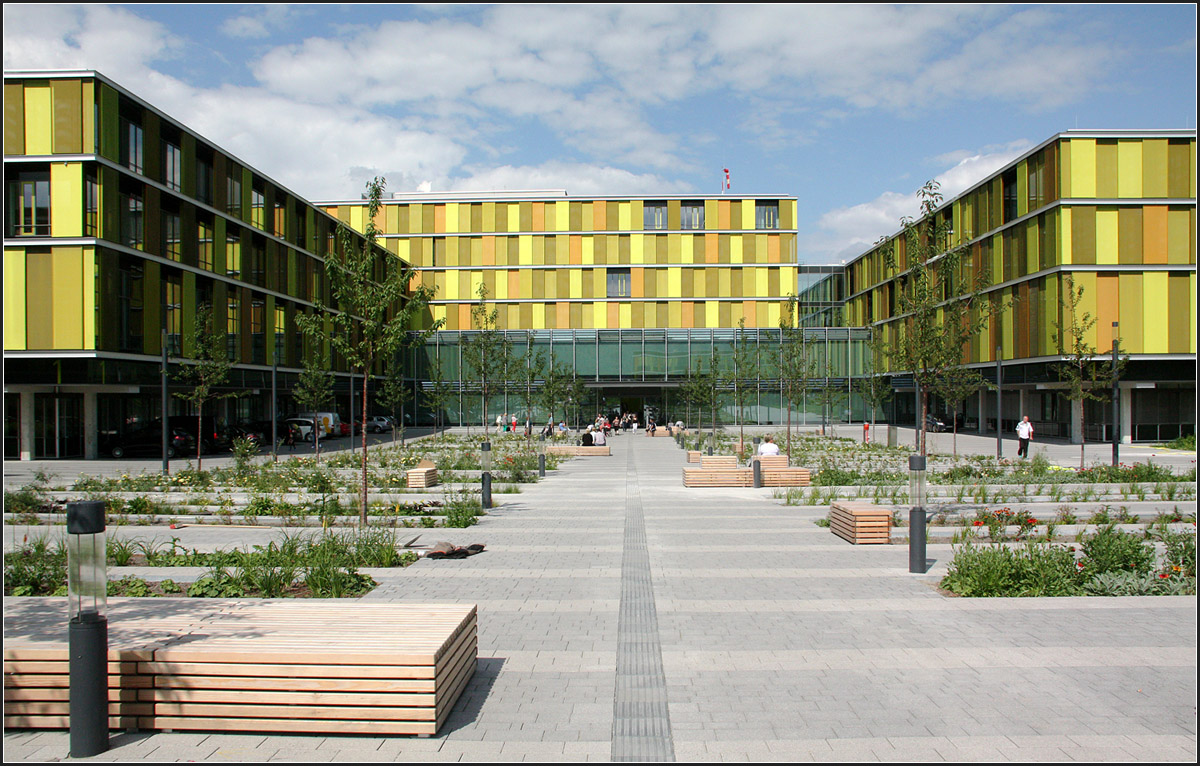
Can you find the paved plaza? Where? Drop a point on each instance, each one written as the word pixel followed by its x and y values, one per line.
pixel 624 617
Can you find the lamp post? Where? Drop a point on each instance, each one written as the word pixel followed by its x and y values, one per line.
pixel 485 462
pixel 999 428
pixel 87 635
pixel 916 516
pixel 1116 401
pixel 542 456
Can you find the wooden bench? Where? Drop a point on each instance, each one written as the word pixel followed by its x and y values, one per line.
pixel 575 450
pixel 777 473
pixel 861 523
pixel 718 471
pixel 694 455
pixel 230 665
pixel 422 478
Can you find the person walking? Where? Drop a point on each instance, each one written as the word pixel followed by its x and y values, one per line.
pixel 1024 434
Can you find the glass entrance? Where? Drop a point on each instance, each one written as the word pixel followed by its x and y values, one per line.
pixel 57 426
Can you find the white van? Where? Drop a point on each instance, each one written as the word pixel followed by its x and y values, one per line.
pixel 330 423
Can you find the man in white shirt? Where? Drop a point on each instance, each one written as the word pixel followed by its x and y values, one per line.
pixel 768 446
pixel 1024 434
pixel 598 438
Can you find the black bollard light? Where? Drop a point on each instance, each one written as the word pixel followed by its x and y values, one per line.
pixel 542 456
pixel 87 635
pixel 758 482
pixel 485 462
pixel 916 516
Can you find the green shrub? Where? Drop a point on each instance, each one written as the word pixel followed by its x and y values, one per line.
pixel 1183 442
pixel 996 570
pixel 1110 550
pixel 36 569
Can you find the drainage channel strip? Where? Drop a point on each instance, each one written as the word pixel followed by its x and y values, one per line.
pixel 641 721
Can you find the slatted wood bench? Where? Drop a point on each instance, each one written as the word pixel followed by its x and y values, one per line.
pixel 576 450
pixel 718 471
pixel 694 455
pixel 777 473
pixel 861 523
pixel 228 665
pixel 421 478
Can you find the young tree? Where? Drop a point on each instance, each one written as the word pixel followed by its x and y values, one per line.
pixel 1088 374
pixel 208 371
pixel 797 365
pixel 830 396
pixel 438 393
pixel 314 388
pixel 872 386
pixel 375 306
pixel 556 388
pixel 702 389
pixel 938 303
pixel 392 396
pixel 526 372
pixel 486 352
pixel 955 386
pixel 743 375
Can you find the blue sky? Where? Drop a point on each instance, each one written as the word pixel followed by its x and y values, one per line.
pixel 849 107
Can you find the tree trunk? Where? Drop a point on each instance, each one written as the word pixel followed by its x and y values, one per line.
pixel 363 510
pixel 317 437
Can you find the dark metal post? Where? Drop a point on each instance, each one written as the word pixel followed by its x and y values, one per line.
pixel 87 631
pixel 1116 403
pixel 486 463
pixel 542 456
pixel 916 516
pixel 274 408
pixel 166 429
pixel 758 481
pixel 999 427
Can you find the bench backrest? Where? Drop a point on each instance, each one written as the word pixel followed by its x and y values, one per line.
pixel 773 461
pixel 718 461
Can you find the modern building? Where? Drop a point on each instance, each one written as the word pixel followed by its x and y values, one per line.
pixel 120 221
pixel 626 291
pixel 1115 211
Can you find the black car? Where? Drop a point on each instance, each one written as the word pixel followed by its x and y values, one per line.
pixel 213 437
pixel 147 440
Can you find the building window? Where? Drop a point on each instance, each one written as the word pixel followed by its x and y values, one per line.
pixel 282 256
pixel 132 220
pixel 173 314
pixel 172 234
pixel 1008 186
pixel 204 249
pixel 91 206
pixel 233 192
pixel 132 140
pixel 204 180
pixel 172 166
pixel 766 215
pixel 233 256
pixel 258 204
pixel 301 229
pixel 130 285
pixel 29 204
pixel 233 326
pixel 280 229
pixel 654 215
pixel 691 215
pixel 258 337
pixel 618 283
pixel 280 331
pixel 258 257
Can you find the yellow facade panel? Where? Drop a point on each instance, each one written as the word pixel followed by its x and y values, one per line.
pixel 66 199
pixel 1181 233
pixel 38 120
pixel 735 249
pixel 67 279
pixel 636 245
pixel 14 299
pixel 624 216
pixel 1105 305
pixel 1083 167
pixel 1155 315
pixel 1129 169
pixel 1065 234
pixel 1132 317
pixel 712 313
pixel 1106 235
pixel 514 217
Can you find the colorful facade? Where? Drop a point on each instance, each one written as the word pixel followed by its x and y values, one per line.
pixel 120 222
pixel 1116 212
pixel 625 291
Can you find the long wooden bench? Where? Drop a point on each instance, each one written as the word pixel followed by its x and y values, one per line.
pixel 777 473
pixel 718 471
pixel 576 450
pixel 230 665
pixel 861 523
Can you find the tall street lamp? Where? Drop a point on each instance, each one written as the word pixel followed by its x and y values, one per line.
pixel 87 633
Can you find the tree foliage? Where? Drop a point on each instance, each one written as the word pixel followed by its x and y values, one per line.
pixel 208 371
pixel 486 352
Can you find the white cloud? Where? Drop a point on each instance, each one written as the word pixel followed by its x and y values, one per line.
pixel 847 232
pixel 108 39
pixel 577 179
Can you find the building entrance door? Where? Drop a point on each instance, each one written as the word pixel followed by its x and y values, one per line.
pixel 57 426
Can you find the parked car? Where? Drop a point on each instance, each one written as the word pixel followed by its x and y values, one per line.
pixel 244 431
pixel 331 422
pixel 304 427
pixel 378 424
pixel 934 423
pixel 147 440
pixel 213 436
